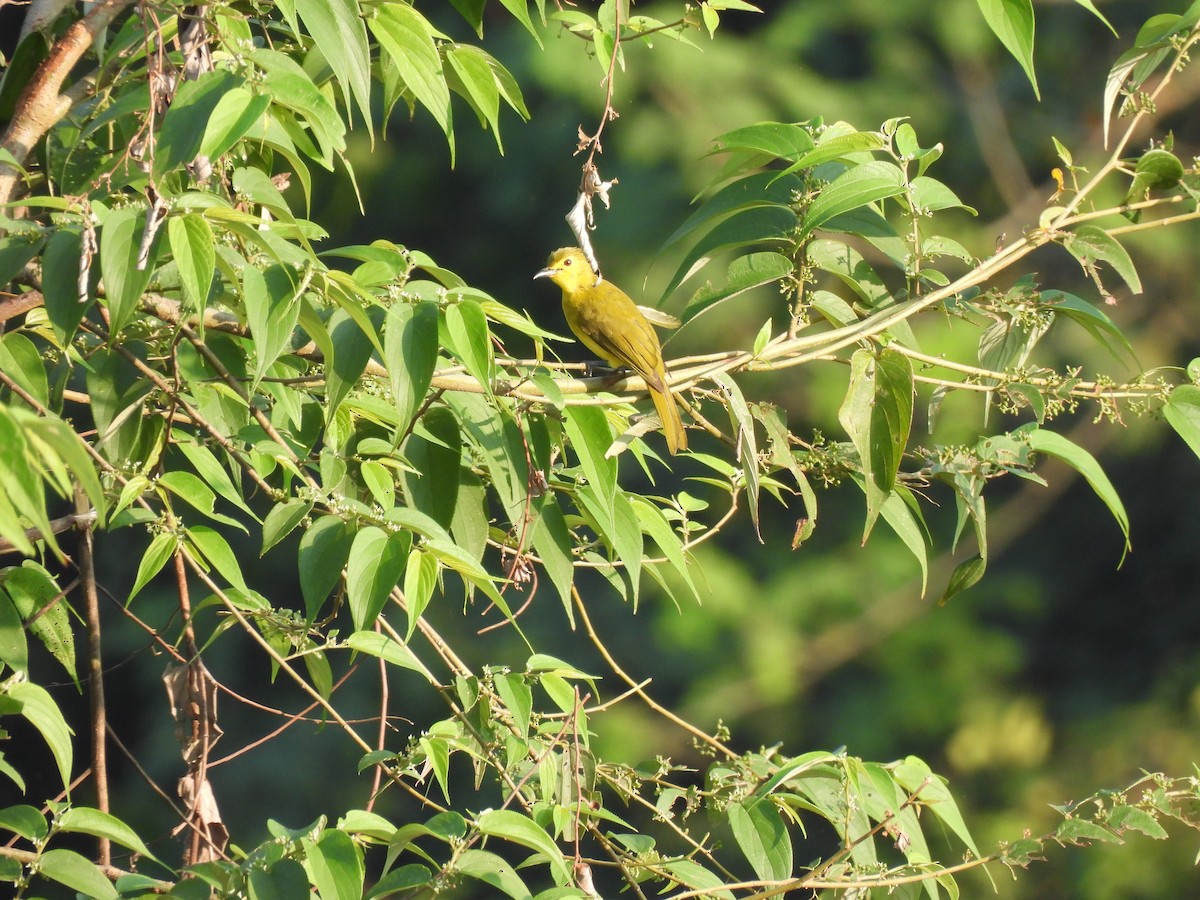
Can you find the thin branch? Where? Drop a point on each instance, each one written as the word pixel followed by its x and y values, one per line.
pixel 57 526
pixel 636 685
pixel 95 663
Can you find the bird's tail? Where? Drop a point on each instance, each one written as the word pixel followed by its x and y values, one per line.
pixel 668 413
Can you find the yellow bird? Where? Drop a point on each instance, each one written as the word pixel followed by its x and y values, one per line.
pixel 611 326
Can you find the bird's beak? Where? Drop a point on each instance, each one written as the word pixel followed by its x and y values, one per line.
pixel 546 273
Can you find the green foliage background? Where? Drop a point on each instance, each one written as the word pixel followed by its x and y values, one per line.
pixel 1061 670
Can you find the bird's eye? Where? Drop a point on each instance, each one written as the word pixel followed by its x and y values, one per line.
pixel 567 261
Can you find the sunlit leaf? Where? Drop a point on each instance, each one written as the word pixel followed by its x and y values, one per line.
pixel 35 704
pixel 1012 22
pixel 76 872
pixel 335 865
pixel 514 827
pixel 337 28
pixel 1053 444
pixel 1091 244
pixel 373 568
pixel 763 839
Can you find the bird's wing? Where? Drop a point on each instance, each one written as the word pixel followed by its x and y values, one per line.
pixel 638 355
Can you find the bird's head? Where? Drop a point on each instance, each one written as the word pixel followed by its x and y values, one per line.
pixel 569 269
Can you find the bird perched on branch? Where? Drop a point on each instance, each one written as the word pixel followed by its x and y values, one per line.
pixel 613 327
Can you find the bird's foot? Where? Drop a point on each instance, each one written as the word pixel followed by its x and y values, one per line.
pixel 598 368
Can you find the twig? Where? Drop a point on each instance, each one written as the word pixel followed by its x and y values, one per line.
pixel 99 713
pixel 633 683
pixel 57 526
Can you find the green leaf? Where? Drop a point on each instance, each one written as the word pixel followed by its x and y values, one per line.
pixel 886 802
pixel 891 415
pixel 407 38
pixel 320 673
pixel 21 494
pixel 380 482
pixel 1091 244
pixel 38 707
pixel 337 29
pixel 966 574
pixel 1090 317
pixel 60 283
pixel 914 775
pixel 206 465
pixel 410 347
pixel 553 544
pixel 375 565
pixel 435 484
pixel 161 549
pixel 834 146
pixel 877 415
pixel 752 225
pixel 693 876
pixel 1082 832
pixel 1135 65
pixel 758 189
pixel 35 594
pixel 272 310
pixel 351 351
pixel 856 187
pixel 742 424
pixel 84 820
pixel 182 130
pixel 763 838
pixel 1053 444
pixel 196 493
pixel 520 11
pixel 492 870
pixel 194 249
pixel 1130 818
pixel 1012 22
pixel 373 643
pixel 236 113
pixel 22 361
pixel 744 273
pixel 471 341
pixel 76 872
pixel 904 518
pixel 475 80
pixel 590 436
pixel 253 185
pixel 120 240
pixel 1182 412
pixel 852 269
pixel 519 829
pixel 402 879
pixel 654 523
pixel 27 821
pixel 930 195
pixel 420 578
pixel 216 550
pixel 1158 169
pixel 284 880
pixel 335 865
pixel 14 649
pixel 282 520
pixel 517 696
pixel 775 139
pixel 290 86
